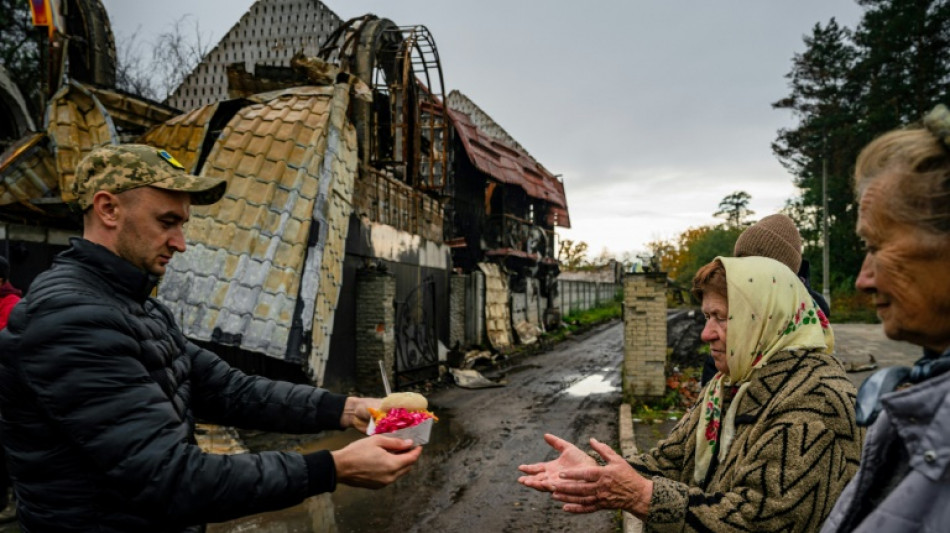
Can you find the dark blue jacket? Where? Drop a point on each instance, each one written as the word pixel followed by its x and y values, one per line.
pixel 99 391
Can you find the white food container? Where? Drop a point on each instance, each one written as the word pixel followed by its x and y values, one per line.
pixel 418 433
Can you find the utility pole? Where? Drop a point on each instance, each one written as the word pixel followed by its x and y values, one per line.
pixel 825 249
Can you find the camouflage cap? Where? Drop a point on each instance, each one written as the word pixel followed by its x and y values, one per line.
pixel 120 167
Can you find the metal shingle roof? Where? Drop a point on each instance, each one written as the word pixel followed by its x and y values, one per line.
pixel 499 156
pixel 255 260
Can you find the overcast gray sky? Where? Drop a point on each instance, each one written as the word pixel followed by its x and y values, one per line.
pixel 652 110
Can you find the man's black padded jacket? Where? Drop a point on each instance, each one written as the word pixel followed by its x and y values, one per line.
pixel 99 391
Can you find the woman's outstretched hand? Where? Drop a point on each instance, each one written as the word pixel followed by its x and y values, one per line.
pixel 540 476
pixel 616 485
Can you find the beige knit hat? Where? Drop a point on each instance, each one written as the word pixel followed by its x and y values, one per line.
pixel 774 236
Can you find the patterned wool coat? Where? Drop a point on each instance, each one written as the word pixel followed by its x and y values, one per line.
pixel 796 447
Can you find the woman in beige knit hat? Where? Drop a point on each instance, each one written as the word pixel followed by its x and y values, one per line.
pixel 777 237
pixel 774 236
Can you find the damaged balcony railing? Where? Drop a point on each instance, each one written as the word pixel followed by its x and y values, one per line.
pixel 514 233
pixel 386 200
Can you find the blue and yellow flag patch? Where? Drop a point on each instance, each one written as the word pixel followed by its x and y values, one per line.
pixel 171 159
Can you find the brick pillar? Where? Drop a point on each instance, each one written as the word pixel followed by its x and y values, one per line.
pixel 457 286
pixel 375 328
pixel 644 335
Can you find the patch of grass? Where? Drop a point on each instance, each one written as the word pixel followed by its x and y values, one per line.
pixel 682 390
pixel 657 412
pixel 618 521
pixel 582 321
pixel 608 311
pixel 659 409
pixel 557 335
pixel 571 324
pixel 575 323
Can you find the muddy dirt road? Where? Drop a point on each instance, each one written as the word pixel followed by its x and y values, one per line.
pixel 572 391
pixel 466 478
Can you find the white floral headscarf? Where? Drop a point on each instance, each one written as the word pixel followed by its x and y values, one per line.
pixel 770 311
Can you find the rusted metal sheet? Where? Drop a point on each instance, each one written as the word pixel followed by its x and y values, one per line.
pixel 263 271
pixel 76 122
pixel 506 162
pixel 27 172
pixel 132 111
pixel 242 84
pixel 497 311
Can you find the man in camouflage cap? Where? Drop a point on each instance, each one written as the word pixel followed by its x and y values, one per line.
pixel 120 167
pixel 136 200
pixel 100 389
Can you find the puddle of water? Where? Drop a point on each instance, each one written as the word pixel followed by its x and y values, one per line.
pixel 354 510
pixel 591 385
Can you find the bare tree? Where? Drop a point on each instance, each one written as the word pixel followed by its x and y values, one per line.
pixel 132 73
pixel 174 54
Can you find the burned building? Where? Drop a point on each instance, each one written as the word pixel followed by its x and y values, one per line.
pixel 328 245
pixel 369 217
pixel 505 206
pixel 268 34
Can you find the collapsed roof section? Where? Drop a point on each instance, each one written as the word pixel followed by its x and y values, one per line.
pixel 82 110
pixel 264 264
pixel 403 131
pixel 37 172
pixel 496 153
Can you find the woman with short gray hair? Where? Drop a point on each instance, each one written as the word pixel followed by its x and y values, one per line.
pixel 902 180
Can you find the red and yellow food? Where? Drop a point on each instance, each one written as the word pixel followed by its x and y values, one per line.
pixel 401 410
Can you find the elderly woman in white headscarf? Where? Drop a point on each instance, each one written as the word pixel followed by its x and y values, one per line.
pixel 769 446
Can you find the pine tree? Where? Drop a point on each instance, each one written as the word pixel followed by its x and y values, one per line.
pixel 905 63
pixel 847 88
pixel 824 94
pixel 734 208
